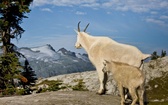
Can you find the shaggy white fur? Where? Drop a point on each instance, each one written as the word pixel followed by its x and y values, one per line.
pixel 129 77
pixel 100 48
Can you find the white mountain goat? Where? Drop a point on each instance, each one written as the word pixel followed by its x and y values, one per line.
pixel 100 48
pixel 127 76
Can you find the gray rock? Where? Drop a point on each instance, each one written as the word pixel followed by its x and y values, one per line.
pixel 152 69
pixel 62 98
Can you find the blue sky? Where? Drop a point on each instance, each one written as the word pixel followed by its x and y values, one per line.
pixel 142 23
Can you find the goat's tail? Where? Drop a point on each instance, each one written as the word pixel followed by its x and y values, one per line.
pixel 146 56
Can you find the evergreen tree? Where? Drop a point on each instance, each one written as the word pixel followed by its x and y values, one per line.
pixel 12 13
pixel 163 54
pixel 154 56
pixel 29 74
pixel 9 69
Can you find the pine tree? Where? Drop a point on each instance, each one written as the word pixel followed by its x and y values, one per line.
pixel 29 74
pixel 9 69
pixel 11 16
pixel 12 13
pixel 154 56
pixel 163 54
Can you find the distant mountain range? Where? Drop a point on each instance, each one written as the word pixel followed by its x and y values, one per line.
pixel 47 62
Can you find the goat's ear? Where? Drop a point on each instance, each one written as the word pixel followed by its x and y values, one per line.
pixel 105 62
pixel 76 31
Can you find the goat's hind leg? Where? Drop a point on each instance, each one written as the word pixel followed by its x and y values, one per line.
pixel 133 95
pixel 141 91
pixel 120 88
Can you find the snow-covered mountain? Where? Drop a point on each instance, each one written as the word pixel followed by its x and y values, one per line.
pixel 47 62
pixel 44 53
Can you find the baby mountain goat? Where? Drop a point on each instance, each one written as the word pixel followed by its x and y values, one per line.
pixel 129 77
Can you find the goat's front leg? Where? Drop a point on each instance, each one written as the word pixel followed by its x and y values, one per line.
pixel 102 79
pixel 120 88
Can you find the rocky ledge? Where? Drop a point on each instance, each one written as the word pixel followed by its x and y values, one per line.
pixel 156 72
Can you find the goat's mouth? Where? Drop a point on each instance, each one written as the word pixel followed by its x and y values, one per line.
pixel 104 70
pixel 78 46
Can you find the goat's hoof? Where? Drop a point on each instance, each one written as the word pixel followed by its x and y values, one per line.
pixel 101 92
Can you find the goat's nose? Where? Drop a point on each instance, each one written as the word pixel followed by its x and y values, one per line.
pixel 103 70
pixel 76 46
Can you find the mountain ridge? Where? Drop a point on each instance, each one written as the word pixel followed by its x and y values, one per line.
pixel 46 61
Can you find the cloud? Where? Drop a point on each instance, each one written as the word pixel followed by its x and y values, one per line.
pixel 151 8
pixel 137 6
pixel 64 2
pixel 163 4
pixel 163 17
pixel 154 12
pixel 93 5
pixel 40 2
pixel 119 5
pixel 80 13
pixel 156 21
pixel 46 9
pixel 111 3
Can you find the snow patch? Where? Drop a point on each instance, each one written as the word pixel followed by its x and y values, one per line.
pixel 44 53
pixel 84 58
pixel 44 49
pixel 75 60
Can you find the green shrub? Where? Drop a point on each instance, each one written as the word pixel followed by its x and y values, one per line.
pixel 158 103
pixel 9 91
pixel 53 85
pixel 151 66
pixel 80 86
pixel 158 88
pixel 20 91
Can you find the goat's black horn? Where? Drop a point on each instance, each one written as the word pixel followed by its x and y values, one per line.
pixel 86 27
pixel 78 26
